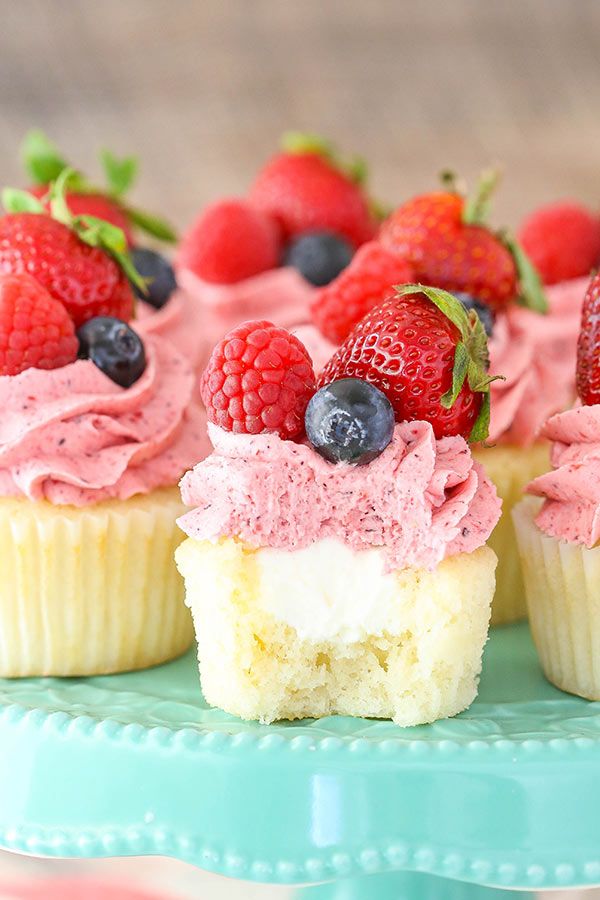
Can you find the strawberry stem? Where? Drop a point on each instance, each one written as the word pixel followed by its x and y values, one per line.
pixel 477 207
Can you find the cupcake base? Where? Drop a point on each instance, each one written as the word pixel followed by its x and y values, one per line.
pixel 562 583
pixel 422 664
pixel 511 469
pixel 92 590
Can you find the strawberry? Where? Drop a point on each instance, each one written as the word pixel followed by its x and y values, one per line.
pixel 98 205
pixel 588 347
pixel 259 379
pixel 448 244
pixel 230 241
pixel 44 164
pixel 35 329
pixel 305 189
pixel 367 281
pixel 429 356
pixel 562 239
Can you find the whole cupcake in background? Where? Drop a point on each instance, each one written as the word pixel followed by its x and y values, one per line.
pixel 335 560
pixel 263 255
pixel 442 238
pixel 161 308
pixel 558 535
pixel 98 425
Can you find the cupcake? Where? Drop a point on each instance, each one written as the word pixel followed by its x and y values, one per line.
pixel 91 450
pixel 558 530
pixel 263 256
pixel 341 569
pixel 442 238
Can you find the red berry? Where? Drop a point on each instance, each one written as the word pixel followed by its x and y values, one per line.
pixel 306 192
pixel 588 347
pixel 406 348
pixel 97 205
pixel 429 232
pixel 562 240
pixel 35 329
pixel 366 282
pixel 259 379
pixel 230 241
pixel 86 280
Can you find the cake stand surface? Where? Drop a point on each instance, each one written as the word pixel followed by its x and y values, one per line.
pixel 506 795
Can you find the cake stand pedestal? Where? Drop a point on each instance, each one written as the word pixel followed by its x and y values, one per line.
pixel 507 795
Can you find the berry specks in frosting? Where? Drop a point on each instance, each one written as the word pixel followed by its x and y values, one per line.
pixel 349 421
pixel 114 347
pixel 259 379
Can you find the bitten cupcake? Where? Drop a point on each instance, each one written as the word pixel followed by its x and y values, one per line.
pixel 263 256
pixel 558 538
pixel 344 572
pixel 91 449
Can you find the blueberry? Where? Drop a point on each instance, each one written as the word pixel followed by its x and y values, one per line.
pixel 153 265
pixel 485 313
pixel 114 347
pixel 318 255
pixel 349 421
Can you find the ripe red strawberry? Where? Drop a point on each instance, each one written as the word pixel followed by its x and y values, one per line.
pixel 259 379
pixel 85 279
pixel 366 282
pixel 448 245
pixel 35 329
pixel 562 240
pixel 305 190
pixel 98 205
pixel 427 354
pixel 230 241
pixel 588 347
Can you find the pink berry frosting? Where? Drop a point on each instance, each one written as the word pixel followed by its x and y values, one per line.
pixel 73 436
pixel 420 501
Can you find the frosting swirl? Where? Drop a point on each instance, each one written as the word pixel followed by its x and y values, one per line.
pixel 571 510
pixel 536 354
pixel 421 500
pixel 72 436
pixel 179 321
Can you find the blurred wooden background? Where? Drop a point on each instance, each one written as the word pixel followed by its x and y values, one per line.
pixel 201 89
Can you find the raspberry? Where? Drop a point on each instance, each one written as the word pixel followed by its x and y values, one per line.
pixel 230 241
pixel 367 281
pixel 259 379
pixel 35 329
pixel 562 240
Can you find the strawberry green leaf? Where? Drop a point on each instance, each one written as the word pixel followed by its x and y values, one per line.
pixel 41 158
pixel 16 201
pixel 120 173
pixel 305 142
pixel 481 427
pixel 531 291
pixel 459 373
pixel 471 357
pixel 152 225
pixel 477 207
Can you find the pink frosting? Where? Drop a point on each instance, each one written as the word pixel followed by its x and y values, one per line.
pixel 536 354
pixel 71 435
pixel 420 501
pixel 572 489
pixel 180 321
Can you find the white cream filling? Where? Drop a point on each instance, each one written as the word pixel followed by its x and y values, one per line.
pixel 328 591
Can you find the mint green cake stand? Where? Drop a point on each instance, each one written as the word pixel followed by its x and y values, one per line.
pixel 507 795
